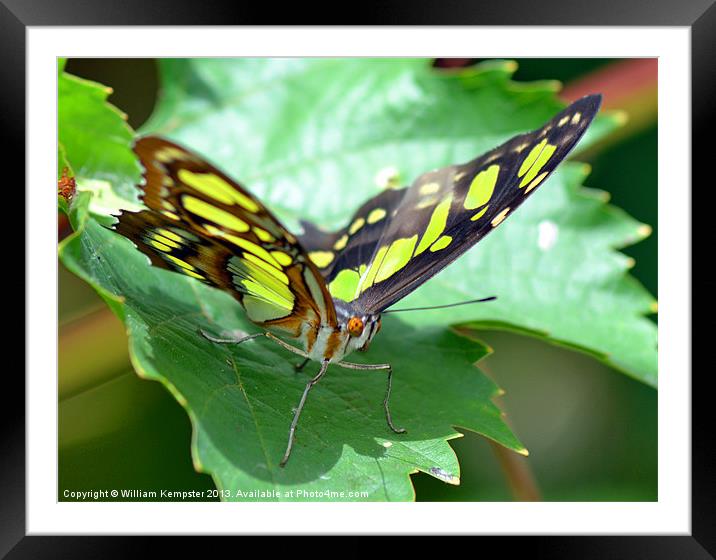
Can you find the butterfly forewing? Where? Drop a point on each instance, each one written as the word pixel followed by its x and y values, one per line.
pixel 202 224
pixel 422 229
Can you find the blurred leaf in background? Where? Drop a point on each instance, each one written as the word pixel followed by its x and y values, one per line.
pixel 325 129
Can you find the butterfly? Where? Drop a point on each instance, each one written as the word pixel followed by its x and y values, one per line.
pixel 325 292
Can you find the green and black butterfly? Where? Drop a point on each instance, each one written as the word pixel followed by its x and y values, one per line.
pixel 326 291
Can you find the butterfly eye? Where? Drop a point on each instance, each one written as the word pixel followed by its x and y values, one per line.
pixel 355 326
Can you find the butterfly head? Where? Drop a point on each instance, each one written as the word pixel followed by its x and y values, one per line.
pixel 359 328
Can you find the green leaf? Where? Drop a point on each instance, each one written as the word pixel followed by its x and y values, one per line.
pixel 310 136
pixel 240 398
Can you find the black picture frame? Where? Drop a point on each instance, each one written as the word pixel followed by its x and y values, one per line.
pixel 699 15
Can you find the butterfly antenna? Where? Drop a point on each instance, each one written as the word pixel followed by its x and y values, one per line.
pixel 491 298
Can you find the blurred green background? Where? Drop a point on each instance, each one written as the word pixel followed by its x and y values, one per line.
pixel 598 444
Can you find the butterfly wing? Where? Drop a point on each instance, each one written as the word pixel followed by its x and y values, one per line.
pixel 355 243
pixel 399 239
pixel 202 224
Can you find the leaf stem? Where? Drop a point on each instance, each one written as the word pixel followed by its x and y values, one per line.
pixel 518 474
pixel 516 468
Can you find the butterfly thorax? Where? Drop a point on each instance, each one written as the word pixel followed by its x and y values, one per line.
pixel 353 331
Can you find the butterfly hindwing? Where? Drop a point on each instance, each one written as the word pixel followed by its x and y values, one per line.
pixel 202 224
pixel 426 226
pixel 353 244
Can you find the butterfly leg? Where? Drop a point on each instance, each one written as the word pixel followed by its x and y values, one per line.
pixel 299 408
pixel 299 367
pixel 237 340
pixel 379 367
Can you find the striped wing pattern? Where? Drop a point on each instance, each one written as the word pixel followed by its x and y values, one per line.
pixel 202 224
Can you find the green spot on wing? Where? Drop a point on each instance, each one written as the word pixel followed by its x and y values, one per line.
pixel 344 285
pixel 481 188
pixel 531 158
pixel 397 257
pixel 543 158
pixel 436 225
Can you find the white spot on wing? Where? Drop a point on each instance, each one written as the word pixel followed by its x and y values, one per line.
pixel 547 236
pixel 387 177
